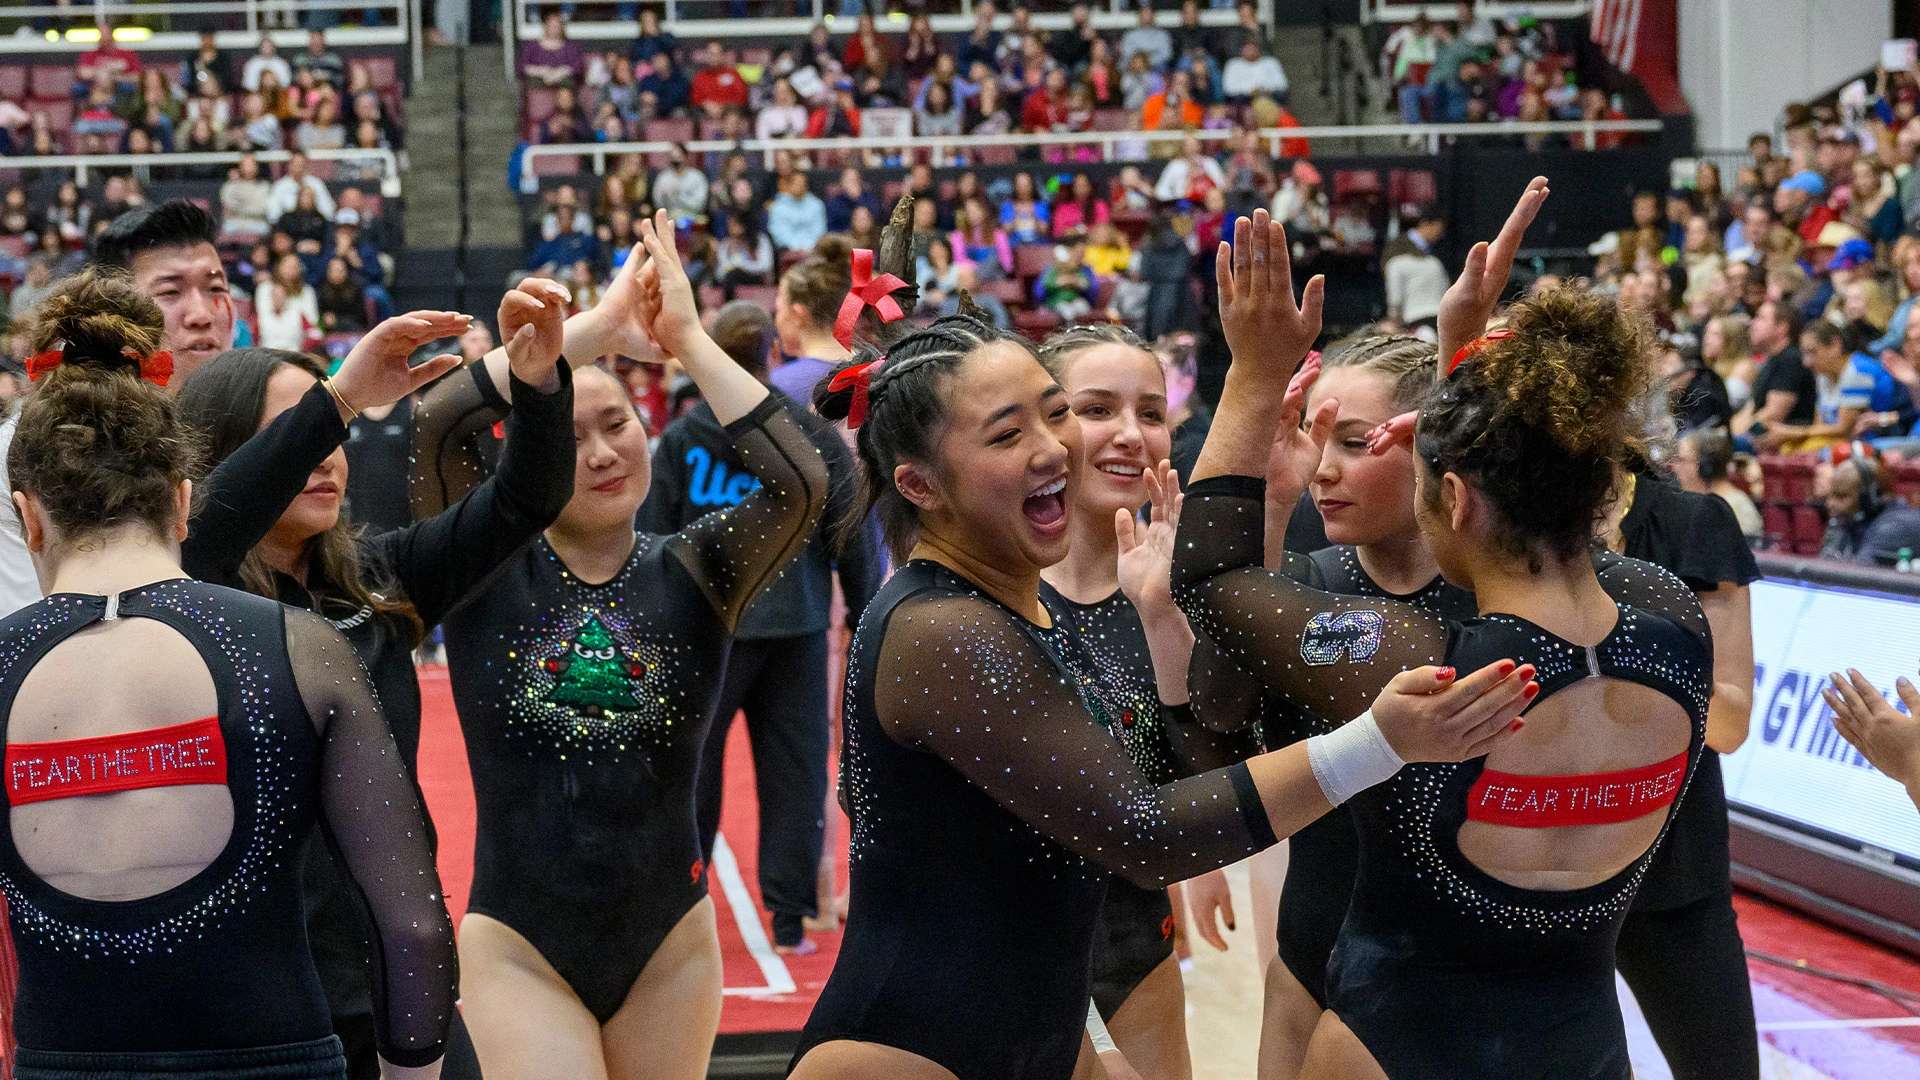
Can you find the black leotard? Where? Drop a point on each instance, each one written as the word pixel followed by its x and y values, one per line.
pixel 1106 646
pixel 1442 970
pixel 585 706
pixel 988 809
pixel 220 961
pixel 1323 857
pixel 460 538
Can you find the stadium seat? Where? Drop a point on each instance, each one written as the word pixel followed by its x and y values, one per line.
pixel 1031 260
pixel 1779 526
pixel 556 165
pixel 384 70
pixel 1036 323
pixel 52 82
pixel 996 155
pixel 1005 290
pixel 672 130
pixel 13 82
pixel 537 105
pixel 1351 182
pixel 1809 529
pixel 763 296
pixel 1113 120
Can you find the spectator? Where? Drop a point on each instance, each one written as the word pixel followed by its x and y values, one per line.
pixel 1189 176
pixel 1726 348
pixel 863 230
pixel 552 60
pixel 937 113
pixel 1107 253
pixel 207 63
pixel 1025 215
pixel 39 282
pixel 262 128
pixel 1410 53
pixel 1783 387
pixel 836 116
pixel 325 64
pixel 864 43
pixel 209 103
pixel 669 88
pixel 324 131
pixel 1695 395
pixel 107 58
pixel 1081 210
pixel 71 214
pixel 1172 108
pixel 1251 73
pixel 1139 82
pixel 977 238
pixel 1147 39
pixel 1647 236
pixel 982 43
pixel 811 292
pixel 796 218
pixel 1904 316
pixel 1301 204
pixel 1758 237
pixel 967 276
pixel 342 302
pixel 265 60
pixel 1704 262
pixel 680 189
pixel 1045 109
pixel 286 312
pixel 1103 79
pixel 745 256
pixel 1065 287
pixel 849 196
pixel 1863 524
pixel 718 86
pixel 986 116
pixel 1800 202
pixel 651 40
pixel 785 117
pixel 922 49
pixel 364 170
pixel 1848 387
pixel 286 190
pixel 304 223
pixel 1703 463
pixel 1416 279
pixel 936 273
pixel 1202 85
pixel 367 105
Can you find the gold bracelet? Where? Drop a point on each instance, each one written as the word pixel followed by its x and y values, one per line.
pixel 338 398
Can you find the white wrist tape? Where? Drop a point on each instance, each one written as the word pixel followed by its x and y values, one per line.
pixel 1352 758
pixel 1097 1032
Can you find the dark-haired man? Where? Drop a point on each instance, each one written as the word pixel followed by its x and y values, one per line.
pixel 777 669
pixel 169 249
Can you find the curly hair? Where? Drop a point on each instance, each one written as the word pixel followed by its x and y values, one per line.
pixel 1540 420
pixel 97 445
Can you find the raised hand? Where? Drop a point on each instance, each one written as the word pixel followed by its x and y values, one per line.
pixel 533 318
pixel 376 372
pixel 1887 737
pixel 1395 432
pixel 1297 449
pixel 666 310
pixel 1470 301
pixel 1428 714
pixel 1146 551
pixel 1267 332
pixel 613 326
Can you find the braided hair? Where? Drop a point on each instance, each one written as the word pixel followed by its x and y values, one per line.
pixel 906 413
pixel 1407 360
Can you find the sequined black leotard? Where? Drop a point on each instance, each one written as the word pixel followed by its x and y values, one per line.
pixel 989 807
pixel 1442 970
pixel 585 706
pixel 1323 857
pixel 220 962
pixel 1106 647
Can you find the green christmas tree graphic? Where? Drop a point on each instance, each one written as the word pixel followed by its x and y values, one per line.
pixel 592 675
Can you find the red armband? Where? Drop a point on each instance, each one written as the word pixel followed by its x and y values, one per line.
pixel 189 753
pixel 1554 802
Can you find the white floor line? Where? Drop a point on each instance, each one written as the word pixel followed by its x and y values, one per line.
pixel 1834 1023
pixel 747 917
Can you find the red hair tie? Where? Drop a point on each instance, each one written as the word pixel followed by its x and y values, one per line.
pixel 859 378
pixel 156 368
pixel 1472 348
pixel 867 291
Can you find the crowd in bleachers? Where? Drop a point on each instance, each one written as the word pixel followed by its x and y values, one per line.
pixel 1787 297
pixel 308 242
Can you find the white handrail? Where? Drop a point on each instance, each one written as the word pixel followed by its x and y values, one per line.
pixel 1587 130
pixel 80 163
pixel 1385 11
pixel 404 15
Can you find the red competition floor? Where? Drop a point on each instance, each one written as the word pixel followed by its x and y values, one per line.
pixel 1819 1026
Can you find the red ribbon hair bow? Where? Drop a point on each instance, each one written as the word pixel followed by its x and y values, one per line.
pixel 867 291
pixel 1472 348
pixel 156 368
pixel 859 378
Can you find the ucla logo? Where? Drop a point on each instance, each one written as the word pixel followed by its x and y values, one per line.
pixel 1331 637
pixel 712 484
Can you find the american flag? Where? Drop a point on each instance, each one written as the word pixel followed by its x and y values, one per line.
pixel 1615 27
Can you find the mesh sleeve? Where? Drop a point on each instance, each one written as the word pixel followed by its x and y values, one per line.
pixel 732 554
pixel 372 818
pixel 1652 588
pixel 445 463
pixel 961 680
pixel 1325 652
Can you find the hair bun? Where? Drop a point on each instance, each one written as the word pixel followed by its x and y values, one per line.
pixel 835 405
pixel 1574 368
pixel 834 248
pixel 100 323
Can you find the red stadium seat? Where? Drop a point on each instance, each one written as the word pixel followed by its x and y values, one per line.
pixel 1350 182
pixel 323 169
pixel 538 105
pixel 1036 323
pixel 384 70
pixel 14 246
pixel 1132 223
pixel 996 155
pixel 13 82
pixel 1906 482
pixel 762 296
pixel 1032 260
pixel 1113 120
pixel 673 130
pixel 788 259
pixel 1005 290
pixel 556 165
pixel 1779 526
pixel 1809 529
pixel 52 82
pixel 1416 186
pixel 59 114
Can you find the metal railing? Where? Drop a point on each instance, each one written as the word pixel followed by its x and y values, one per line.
pixel 82 164
pixel 69 28
pixel 1430 136
pixel 1385 11
pixel 524 23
